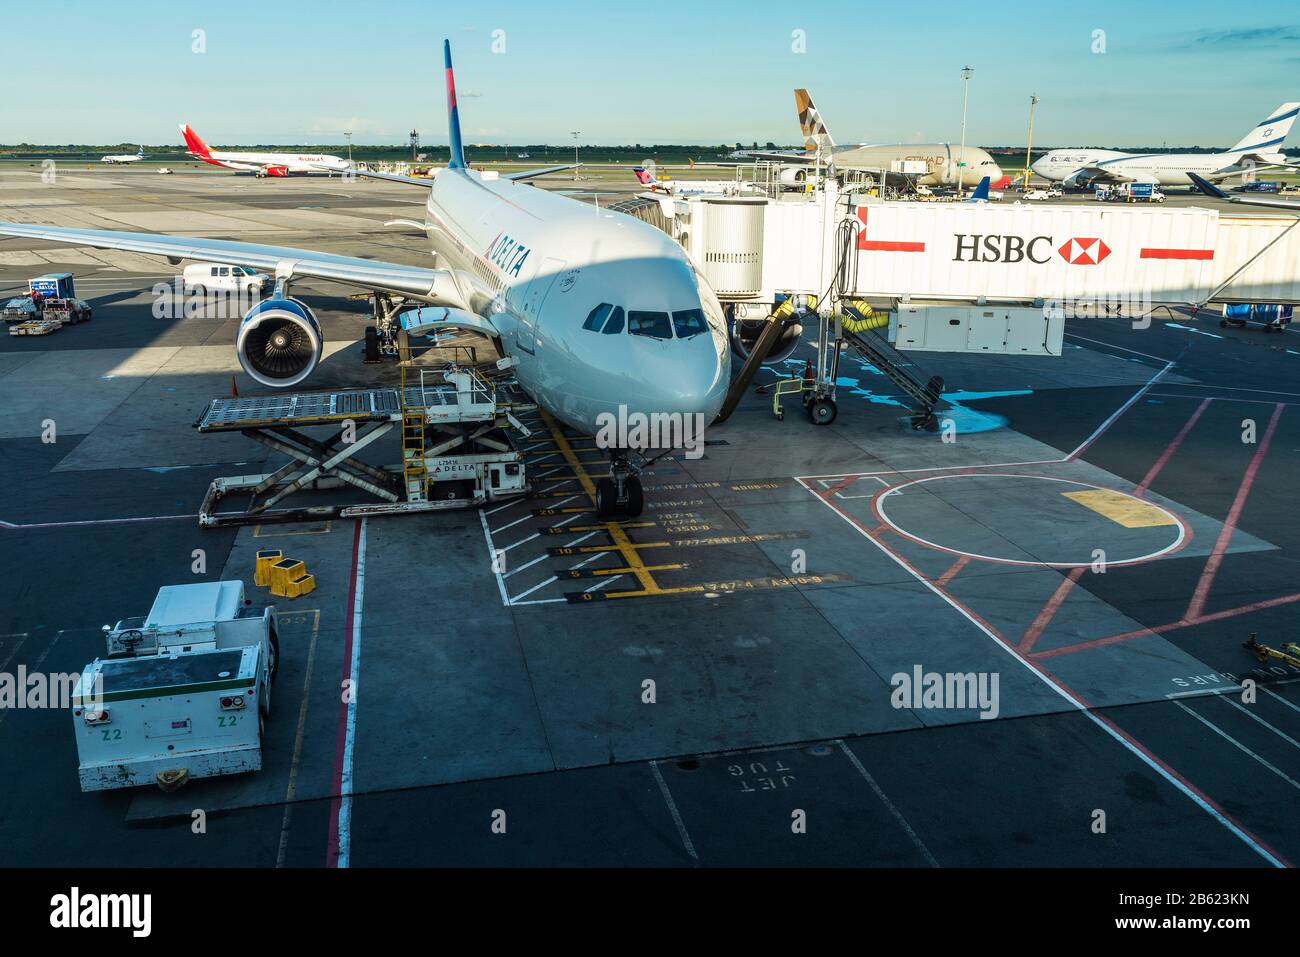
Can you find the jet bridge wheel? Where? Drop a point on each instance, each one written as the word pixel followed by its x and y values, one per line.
pixel 823 411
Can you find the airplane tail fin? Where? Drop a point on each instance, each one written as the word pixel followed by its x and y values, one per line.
pixel 1269 134
pixel 644 176
pixel 193 142
pixel 140 151
pixel 816 136
pixel 980 193
pixel 457 160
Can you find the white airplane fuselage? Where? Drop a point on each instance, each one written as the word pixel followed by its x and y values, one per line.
pixel 536 264
pixel 124 158
pixel 1164 169
pixel 291 162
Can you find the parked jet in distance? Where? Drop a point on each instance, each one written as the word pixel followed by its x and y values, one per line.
pixel 944 164
pixel 124 157
pixel 1260 148
pixel 263 164
pixel 603 315
pixel 694 187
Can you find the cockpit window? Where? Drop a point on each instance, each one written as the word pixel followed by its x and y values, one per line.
pixel 597 317
pixel 615 324
pixel 652 324
pixel 688 322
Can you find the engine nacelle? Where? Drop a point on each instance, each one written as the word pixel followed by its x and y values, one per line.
pixel 747 323
pixel 793 176
pixel 279 342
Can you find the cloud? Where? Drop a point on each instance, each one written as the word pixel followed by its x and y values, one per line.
pixel 1241 38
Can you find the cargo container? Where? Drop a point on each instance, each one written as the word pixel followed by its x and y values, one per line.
pixel 54 285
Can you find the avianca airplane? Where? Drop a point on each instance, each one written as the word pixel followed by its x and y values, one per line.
pixel 124 157
pixel 1260 148
pixel 263 164
pixel 695 187
pixel 604 314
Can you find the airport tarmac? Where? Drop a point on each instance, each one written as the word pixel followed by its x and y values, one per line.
pixel 767 598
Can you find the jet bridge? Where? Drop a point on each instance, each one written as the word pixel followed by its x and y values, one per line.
pixel 455 429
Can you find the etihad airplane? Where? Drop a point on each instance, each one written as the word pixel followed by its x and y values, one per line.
pixel 264 164
pixel 124 157
pixel 945 164
pixel 694 187
pixel 1259 149
pixel 602 314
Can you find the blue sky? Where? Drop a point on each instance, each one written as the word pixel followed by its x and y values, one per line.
pixel 277 71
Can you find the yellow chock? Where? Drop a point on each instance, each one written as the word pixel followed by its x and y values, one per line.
pixel 303 585
pixel 283 573
pixel 265 559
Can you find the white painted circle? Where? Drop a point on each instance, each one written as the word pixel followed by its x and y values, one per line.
pixel 1183 536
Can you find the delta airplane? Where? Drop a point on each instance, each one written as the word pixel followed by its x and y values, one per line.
pixel 947 165
pixel 601 314
pixel 124 157
pixel 263 164
pixel 1260 148
pixel 695 187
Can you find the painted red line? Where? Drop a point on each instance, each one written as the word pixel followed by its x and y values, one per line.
pixel 1157 253
pixel 839 487
pixel 890 246
pixel 952 572
pixel 1202 592
pixel 1073 696
pixel 1168 453
pixel 884 245
pixel 1168 768
pixel 1171 626
pixel 332 850
pixel 1049 610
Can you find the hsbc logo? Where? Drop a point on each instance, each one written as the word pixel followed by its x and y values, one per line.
pixel 992 248
pixel 1083 252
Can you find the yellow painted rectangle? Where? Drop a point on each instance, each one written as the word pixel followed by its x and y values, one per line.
pixel 1121 509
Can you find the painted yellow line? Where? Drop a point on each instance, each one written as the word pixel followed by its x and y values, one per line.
pixel 606 572
pixel 1121 509
pixel 617 534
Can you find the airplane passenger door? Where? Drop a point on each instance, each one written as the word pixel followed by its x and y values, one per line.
pixel 548 273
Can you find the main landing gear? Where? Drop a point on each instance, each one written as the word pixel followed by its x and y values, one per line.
pixel 620 495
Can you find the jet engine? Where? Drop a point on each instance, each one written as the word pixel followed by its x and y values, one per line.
pixel 793 176
pixel 748 322
pixel 279 342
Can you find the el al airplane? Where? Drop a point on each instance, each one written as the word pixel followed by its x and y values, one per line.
pixel 1260 148
pixel 602 313
pixel 124 157
pixel 263 164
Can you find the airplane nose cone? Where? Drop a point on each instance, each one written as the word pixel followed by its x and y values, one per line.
pixel 695 382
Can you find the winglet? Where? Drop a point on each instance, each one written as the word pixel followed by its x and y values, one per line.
pixel 1206 187
pixel 453 114
pixel 980 193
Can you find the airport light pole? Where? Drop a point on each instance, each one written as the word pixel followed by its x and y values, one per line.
pixel 576 134
pixel 1033 102
pixel 966 72
pixel 347 135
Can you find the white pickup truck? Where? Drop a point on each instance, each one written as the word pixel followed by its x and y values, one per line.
pixel 183 693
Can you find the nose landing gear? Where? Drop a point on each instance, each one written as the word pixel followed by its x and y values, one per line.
pixel 620 495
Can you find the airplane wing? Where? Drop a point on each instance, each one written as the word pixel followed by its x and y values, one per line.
pixel 1209 189
pixel 776 157
pixel 1108 174
pixel 540 171
pixel 436 286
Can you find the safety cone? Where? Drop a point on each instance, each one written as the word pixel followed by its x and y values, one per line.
pixel 234 389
